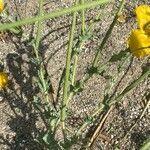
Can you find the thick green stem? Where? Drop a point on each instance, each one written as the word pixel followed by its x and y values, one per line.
pixel 54 14
pixel 108 33
pixel 67 72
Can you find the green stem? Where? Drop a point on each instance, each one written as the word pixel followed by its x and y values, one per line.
pixel 99 109
pixel 50 15
pixel 131 86
pixel 108 33
pixel 74 72
pixel 80 45
pixel 83 18
pixel 38 34
pixel 74 69
pixel 67 72
pixel 86 123
pixel 117 99
pixel 38 38
pixel 36 49
pixel 116 76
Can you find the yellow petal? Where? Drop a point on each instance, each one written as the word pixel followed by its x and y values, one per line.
pixel 3 80
pixel 1 5
pixel 139 43
pixel 143 16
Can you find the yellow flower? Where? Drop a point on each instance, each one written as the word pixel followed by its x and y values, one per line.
pixel 1 5
pixel 139 40
pixel 139 43
pixel 3 80
pixel 143 16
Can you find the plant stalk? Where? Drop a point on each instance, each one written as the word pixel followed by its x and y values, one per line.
pixel 67 71
pixel 117 99
pixel 54 14
pixel 108 33
pixel 83 26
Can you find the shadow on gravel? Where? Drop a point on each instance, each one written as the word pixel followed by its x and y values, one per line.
pixel 138 138
pixel 20 93
pixel 19 97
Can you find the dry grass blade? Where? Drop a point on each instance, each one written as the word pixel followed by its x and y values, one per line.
pixel 97 132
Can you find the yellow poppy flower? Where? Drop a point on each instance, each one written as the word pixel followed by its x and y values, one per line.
pixel 1 5
pixel 139 43
pixel 143 17
pixel 3 80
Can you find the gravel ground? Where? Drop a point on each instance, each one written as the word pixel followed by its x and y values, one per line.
pixel 19 122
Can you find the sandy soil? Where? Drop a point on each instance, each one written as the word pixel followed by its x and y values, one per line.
pixel 19 122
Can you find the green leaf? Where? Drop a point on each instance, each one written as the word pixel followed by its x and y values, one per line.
pixel 89 119
pixel 17 31
pixel 119 56
pixel 97 70
pixel 108 77
pixel 49 139
pixel 76 88
pixel 93 70
pixel 85 37
pixel 105 102
pixel 41 87
pixel 76 51
pixel 123 63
